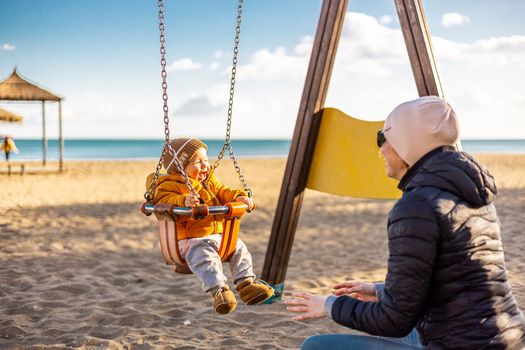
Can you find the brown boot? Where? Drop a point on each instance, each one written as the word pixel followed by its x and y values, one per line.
pixel 254 292
pixel 224 301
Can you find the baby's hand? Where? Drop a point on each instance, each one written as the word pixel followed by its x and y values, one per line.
pixel 246 200
pixel 191 200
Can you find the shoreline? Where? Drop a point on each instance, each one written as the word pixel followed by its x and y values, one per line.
pixel 138 159
pixel 265 156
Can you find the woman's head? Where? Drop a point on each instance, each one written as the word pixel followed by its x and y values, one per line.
pixel 416 127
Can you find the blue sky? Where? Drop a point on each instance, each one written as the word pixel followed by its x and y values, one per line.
pixel 103 57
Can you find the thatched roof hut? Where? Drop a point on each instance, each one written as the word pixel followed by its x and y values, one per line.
pixel 16 88
pixel 7 116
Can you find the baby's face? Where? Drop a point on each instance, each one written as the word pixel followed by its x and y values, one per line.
pixel 199 167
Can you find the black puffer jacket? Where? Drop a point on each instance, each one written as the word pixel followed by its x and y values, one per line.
pixel 446 271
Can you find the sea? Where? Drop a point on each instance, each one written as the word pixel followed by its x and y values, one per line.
pixel 92 149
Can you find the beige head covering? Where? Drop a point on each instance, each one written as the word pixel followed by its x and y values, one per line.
pixel 184 149
pixel 416 127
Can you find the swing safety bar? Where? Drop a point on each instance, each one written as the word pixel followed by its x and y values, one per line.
pixel 149 209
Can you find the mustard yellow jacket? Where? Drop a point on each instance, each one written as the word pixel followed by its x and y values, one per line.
pixel 8 146
pixel 171 189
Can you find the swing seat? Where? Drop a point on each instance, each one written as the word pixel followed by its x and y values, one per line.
pixel 346 159
pixel 167 215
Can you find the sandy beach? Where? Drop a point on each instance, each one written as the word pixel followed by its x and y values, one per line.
pixel 81 266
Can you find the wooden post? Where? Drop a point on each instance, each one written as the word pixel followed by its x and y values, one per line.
pixel 419 46
pixel 420 51
pixel 303 142
pixel 44 139
pixel 60 138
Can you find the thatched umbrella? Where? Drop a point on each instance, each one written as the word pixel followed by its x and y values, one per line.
pixel 16 88
pixel 7 116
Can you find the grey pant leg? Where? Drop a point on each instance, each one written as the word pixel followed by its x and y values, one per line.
pixel 241 263
pixel 204 261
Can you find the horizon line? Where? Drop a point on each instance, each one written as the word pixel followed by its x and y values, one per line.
pixel 222 140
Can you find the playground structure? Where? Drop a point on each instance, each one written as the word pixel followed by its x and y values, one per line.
pixel 313 122
pixel 318 132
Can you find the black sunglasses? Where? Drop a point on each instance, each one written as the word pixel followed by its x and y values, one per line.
pixel 380 138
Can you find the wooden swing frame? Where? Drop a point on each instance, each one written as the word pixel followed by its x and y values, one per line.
pixel 419 46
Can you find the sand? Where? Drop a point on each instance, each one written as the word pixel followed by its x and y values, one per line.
pixel 81 267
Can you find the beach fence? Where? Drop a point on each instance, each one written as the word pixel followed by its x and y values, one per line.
pixel 19 168
pixel 21 171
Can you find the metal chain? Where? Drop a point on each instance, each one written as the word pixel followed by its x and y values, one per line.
pixel 149 195
pixel 227 142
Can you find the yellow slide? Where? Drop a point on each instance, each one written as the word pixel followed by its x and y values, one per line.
pixel 347 161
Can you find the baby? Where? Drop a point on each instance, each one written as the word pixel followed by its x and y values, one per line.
pixel 199 240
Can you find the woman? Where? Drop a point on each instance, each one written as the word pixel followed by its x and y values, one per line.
pixel 446 274
pixel 8 146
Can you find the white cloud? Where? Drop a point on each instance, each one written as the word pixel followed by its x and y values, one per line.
pixel 372 74
pixel 214 65
pixel 218 94
pixel 276 65
pixel 496 52
pixel 386 19
pixel 8 47
pixel 218 54
pixel 305 46
pixel 454 19
pixel 92 107
pixel 365 47
pixel 91 114
pixel 368 47
pixel 109 116
pixel 184 64
pixel 207 103
pixel 197 106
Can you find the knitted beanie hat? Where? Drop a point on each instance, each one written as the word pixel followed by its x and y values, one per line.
pixel 184 149
pixel 416 127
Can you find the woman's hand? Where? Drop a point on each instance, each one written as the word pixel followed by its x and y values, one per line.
pixel 308 305
pixel 191 200
pixel 364 291
pixel 246 200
